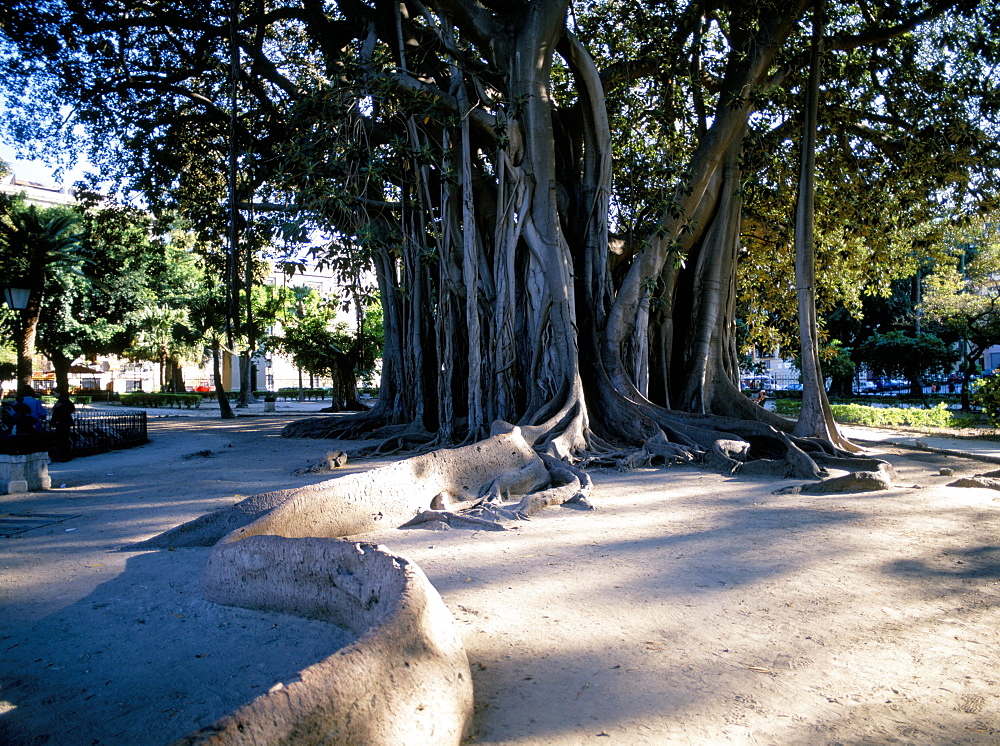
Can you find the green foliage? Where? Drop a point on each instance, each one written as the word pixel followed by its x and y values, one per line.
pixel 963 292
pixel 153 400
pixel 859 414
pixel 317 342
pixel 36 242
pixel 836 360
pixel 293 393
pixel 899 354
pixel 99 311
pixel 986 394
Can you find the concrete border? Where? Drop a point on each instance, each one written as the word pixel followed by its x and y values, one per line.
pixel 28 472
pixel 405 680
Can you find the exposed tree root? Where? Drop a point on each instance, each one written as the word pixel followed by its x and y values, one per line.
pixel 569 485
pixel 351 427
pixel 882 478
pixel 986 481
pixel 331 461
pixel 453 520
pixel 730 445
pixel 431 487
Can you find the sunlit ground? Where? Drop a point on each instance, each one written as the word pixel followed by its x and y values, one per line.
pixel 688 608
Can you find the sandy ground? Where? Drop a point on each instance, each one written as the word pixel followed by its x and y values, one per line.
pixel 689 608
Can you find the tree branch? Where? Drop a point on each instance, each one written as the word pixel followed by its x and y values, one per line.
pixel 878 36
pixel 472 18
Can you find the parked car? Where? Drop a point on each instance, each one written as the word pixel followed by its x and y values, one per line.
pixel 757 382
pixel 890 384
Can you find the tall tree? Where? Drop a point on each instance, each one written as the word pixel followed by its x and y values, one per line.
pixel 816 418
pixel 962 294
pixel 466 149
pixel 35 244
pixel 97 312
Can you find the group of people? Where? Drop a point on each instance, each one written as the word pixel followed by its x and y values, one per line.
pixel 26 414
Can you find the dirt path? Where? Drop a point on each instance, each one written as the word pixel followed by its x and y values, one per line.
pixel 689 608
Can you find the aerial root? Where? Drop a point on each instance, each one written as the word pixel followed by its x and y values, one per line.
pixel 452 520
pixel 563 483
pixel 657 450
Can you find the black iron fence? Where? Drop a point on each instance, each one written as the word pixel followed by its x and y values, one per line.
pixel 91 431
pixel 96 432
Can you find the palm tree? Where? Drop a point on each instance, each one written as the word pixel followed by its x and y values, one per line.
pixel 164 336
pixel 206 315
pixel 34 244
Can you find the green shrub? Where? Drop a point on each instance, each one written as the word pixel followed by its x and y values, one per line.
pixel 986 394
pixel 859 414
pixel 293 393
pixel 80 399
pixel 152 399
pixel 98 394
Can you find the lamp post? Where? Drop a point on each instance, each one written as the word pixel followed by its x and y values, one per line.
pixel 16 298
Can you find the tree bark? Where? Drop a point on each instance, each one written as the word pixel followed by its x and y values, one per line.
pixel 816 417
pixel 27 332
pixel 221 395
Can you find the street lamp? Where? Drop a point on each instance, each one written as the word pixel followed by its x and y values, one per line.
pixel 17 298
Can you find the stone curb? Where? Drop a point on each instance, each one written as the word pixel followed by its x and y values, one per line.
pixel 953 452
pixel 919 445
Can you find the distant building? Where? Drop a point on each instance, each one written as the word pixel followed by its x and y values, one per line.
pixel 43 195
pixel 270 371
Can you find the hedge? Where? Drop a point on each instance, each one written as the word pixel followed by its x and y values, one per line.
pixel 859 414
pixel 293 393
pixel 48 401
pixel 145 399
pixel 97 394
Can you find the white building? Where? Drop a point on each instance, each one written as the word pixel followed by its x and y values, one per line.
pixel 271 371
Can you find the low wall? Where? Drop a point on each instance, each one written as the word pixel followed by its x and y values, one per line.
pixel 406 679
pixel 24 473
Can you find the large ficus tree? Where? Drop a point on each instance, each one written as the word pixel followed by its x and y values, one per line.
pixel 551 197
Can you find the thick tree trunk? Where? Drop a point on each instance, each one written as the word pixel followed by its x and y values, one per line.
pixel 246 384
pixel 221 395
pixel 816 417
pixel 527 325
pixel 61 363
pixel 27 332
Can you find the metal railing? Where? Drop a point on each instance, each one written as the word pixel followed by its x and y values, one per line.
pixel 96 432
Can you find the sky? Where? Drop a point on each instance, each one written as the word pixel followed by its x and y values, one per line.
pixel 36 171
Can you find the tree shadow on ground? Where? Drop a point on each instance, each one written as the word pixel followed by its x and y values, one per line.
pixel 966 563
pixel 144 659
